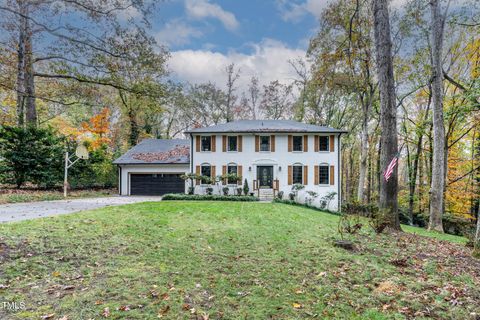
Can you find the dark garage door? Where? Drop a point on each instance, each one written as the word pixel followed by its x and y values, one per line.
pixel 156 184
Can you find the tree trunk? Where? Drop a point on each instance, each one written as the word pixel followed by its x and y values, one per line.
pixel 21 92
pixel 438 165
pixel 363 158
pixel 388 112
pixel 476 241
pixel 30 105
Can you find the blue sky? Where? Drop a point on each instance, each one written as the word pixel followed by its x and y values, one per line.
pixel 231 25
pixel 259 36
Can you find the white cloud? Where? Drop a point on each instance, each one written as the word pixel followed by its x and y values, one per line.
pixel 294 12
pixel 177 32
pixel 200 9
pixel 268 61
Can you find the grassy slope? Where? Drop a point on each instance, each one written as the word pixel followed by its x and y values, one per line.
pixel 230 260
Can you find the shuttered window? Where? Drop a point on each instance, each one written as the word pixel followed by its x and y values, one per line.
pixel 206 143
pixel 232 169
pixel 297 173
pixel 323 174
pixel 232 143
pixel 323 142
pixel 206 170
pixel 264 143
pixel 297 143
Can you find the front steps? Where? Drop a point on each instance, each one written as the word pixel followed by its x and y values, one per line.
pixel 265 194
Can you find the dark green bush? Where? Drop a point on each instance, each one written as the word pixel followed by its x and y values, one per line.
pixel 96 172
pixel 181 196
pixel 32 155
pixel 246 189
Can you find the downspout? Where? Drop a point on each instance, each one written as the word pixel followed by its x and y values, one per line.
pixel 191 153
pixel 191 162
pixel 339 186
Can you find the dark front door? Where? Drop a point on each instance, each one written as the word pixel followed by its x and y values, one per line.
pixel 156 184
pixel 265 176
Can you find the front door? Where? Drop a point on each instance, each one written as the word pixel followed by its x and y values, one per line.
pixel 265 176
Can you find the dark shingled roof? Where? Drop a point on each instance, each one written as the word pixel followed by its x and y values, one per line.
pixel 157 151
pixel 265 126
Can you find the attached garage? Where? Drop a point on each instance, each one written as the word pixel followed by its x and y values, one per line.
pixel 154 167
pixel 152 184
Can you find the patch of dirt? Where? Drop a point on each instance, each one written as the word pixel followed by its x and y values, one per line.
pixel 21 249
pixel 197 301
pixel 452 257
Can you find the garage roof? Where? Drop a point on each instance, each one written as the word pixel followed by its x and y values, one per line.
pixel 265 126
pixel 158 151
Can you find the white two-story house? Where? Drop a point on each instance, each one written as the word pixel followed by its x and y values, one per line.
pixel 272 155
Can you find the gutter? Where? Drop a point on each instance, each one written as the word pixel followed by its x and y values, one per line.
pixel 339 187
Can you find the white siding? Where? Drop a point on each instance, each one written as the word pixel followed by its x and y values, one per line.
pixel 280 159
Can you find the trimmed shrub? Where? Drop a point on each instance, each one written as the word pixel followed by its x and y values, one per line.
pixel 280 195
pixel 209 191
pixel 225 190
pixel 196 197
pixel 246 189
pixel 239 191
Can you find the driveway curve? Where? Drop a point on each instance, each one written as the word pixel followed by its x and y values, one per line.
pixel 32 210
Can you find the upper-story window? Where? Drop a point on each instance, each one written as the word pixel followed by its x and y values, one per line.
pixel 264 143
pixel 323 174
pixel 323 142
pixel 206 142
pixel 232 143
pixel 297 143
pixel 232 169
pixel 297 174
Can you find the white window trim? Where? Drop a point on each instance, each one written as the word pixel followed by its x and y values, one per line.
pixel 328 171
pixel 269 143
pixel 328 144
pixel 303 147
pixel 201 166
pixel 228 144
pixel 231 164
pixel 201 146
pixel 298 165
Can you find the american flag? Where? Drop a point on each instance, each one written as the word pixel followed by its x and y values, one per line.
pixel 388 172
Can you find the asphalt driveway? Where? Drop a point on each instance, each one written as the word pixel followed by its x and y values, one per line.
pixel 31 210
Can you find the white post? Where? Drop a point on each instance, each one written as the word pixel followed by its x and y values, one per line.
pixel 65 181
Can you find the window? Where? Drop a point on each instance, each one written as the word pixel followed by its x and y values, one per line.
pixel 264 143
pixel 206 143
pixel 206 170
pixel 297 173
pixel 232 169
pixel 323 143
pixel 323 172
pixel 232 143
pixel 297 143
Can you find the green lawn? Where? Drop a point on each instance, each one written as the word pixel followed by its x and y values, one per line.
pixel 228 260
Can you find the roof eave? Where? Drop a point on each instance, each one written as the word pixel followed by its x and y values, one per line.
pixel 267 131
